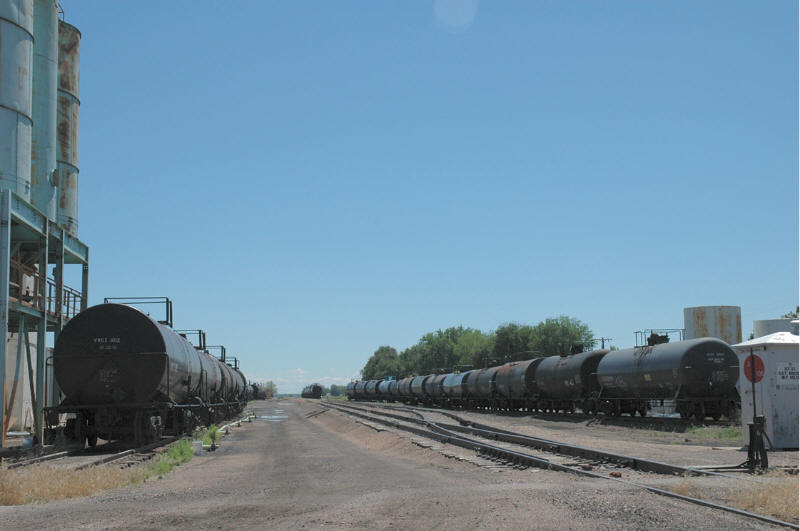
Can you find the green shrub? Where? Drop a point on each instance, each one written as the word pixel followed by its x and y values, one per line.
pixel 210 434
pixel 181 452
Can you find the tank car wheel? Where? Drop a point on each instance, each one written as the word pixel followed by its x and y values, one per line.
pixel 69 430
pixel 91 440
pixel 142 429
pixel 643 412
pixel 715 416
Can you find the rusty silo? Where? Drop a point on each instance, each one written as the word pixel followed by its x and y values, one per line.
pixel 723 322
pixel 69 40
pixel 45 83
pixel 16 65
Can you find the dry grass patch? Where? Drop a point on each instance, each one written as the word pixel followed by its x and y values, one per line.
pixel 42 483
pixel 777 496
pixel 687 488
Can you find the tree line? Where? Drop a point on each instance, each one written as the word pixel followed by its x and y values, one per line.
pixel 463 348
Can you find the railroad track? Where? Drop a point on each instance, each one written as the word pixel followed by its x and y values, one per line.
pixel 587 458
pixel 650 422
pixel 100 455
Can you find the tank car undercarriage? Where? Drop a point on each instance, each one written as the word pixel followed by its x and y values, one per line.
pixel 141 423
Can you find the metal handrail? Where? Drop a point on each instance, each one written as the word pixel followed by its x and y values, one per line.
pixel 71 300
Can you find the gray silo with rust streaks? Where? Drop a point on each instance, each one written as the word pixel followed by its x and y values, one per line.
pixel 45 84
pixel 68 107
pixel 16 65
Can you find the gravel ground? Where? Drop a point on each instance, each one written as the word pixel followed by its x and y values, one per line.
pixel 292 472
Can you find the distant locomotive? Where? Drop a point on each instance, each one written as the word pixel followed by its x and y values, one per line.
pixel 127 376
pixel 699 375
pixel 312 391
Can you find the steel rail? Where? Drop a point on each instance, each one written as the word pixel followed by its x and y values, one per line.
pixel 446 436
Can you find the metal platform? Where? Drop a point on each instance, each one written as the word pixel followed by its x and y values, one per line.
pixel 29 243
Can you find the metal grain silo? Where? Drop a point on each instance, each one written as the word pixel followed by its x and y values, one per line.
pixel 45 83
pixel 723 322
pixel 69 40
pixel 16 65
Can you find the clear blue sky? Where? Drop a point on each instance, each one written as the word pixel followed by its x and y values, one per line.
pixel 310 180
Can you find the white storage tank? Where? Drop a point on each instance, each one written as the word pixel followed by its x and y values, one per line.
pixel 775 358
pixel 723 322
pixel 16 111
pixel 765 327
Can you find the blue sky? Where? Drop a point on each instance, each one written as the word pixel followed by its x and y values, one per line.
pixel 311 180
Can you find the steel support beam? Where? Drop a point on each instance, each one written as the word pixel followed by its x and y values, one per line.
pixel 59 274
pixel 41 335
pixel 5 275
pixel 85 283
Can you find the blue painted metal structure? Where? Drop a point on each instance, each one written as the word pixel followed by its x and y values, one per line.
pixel 36 234
pixel 22 227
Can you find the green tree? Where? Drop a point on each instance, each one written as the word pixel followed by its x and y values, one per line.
pixel 382 363
pixel 512 343
pixel 557 336
pixel 792 315
pixel 442 350
pixel 337 390
pixel 474 348
pixel 407 361
pixel 437 350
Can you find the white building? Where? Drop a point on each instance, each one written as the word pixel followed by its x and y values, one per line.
pixel 775 357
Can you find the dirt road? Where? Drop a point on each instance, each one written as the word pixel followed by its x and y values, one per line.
pixel 291 472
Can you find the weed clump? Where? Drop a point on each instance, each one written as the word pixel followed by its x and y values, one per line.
pixel 208 435
pixel 686 488
pixel 176 455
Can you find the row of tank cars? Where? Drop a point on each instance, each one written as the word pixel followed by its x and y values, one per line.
pixel 699 375
pixel 127 376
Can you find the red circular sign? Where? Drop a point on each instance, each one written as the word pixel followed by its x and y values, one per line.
pixel 748 369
